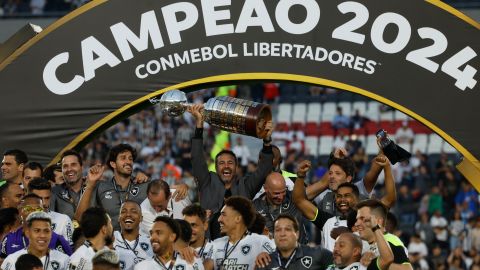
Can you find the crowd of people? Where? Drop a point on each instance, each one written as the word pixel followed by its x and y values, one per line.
pixel 174 193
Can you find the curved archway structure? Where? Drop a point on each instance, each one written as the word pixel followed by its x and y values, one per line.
pixel 108 59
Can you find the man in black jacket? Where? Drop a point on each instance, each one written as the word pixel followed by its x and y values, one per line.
pixel 215 187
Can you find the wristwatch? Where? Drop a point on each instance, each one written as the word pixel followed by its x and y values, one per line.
pixel 376 228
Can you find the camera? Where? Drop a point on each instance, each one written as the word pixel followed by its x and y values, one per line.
pixel 394 152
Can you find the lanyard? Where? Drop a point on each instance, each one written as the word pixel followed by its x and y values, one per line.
pixel 229 252
pixel 162 265
pixel 289 259
pixel 200 252
pixel 47 261
pixel 134 246
pixel 118 191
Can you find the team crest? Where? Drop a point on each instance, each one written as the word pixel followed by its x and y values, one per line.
pixel 286 205
pixel 246 249
pixel 108 195
pixel 353 268
pixel 65 195
pixel 180 267
pixel 122 265
pixel 307 261
pixel 54 226
pixel 144 246
pixel 134 191
pixel 55 265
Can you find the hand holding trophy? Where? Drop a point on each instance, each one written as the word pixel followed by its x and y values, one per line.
pixel 227 113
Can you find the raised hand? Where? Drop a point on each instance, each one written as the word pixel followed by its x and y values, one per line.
pixel 303 168
pixel 197 111
pixel 95 174
pixel 340 153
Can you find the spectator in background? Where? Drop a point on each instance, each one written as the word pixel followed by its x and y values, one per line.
pixel 437 258
pixel 475 233
pixel 37 6
pixel 435 202
pixel 440 225
pixel 425 230
pixel 456 229
pixel 242 152
pixel 467 200
pixel 358 121
pixel 296 145
pixel 456 260
pixel 340 120
pixel 404 134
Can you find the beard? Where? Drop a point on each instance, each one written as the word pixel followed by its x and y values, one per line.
pixel 108 240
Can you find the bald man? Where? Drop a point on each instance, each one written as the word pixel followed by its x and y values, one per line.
pixel 277 200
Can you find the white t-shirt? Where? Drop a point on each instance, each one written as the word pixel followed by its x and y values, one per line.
pixel 174 210
pixel 240 255
pixel 62 225
pixel 334 222
pixel 56 260
pixel 132 252
pixel 81 259
pixel 180 264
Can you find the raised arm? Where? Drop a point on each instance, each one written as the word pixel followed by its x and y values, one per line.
pixel 199 163
pixel 265 164
pixel 390 196
pixel 93 176
pixel 386 255
pixel 308 209
pixel 315 189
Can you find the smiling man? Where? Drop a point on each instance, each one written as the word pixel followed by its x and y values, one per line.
pixel 163 235
pixel 39 232
pixel 18 239
pixel 239 248
pixel 131 246
pixel 113 193
pixel 197 217
pixel 224 182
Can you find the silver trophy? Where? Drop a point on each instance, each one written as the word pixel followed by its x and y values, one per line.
pixel 227 113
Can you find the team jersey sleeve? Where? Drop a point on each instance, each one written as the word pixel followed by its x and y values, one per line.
pixel 321 218
pixel 399 255
pixel 267 245
pixel 7 264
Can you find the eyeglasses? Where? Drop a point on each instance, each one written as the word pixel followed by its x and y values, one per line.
pixel 30 208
